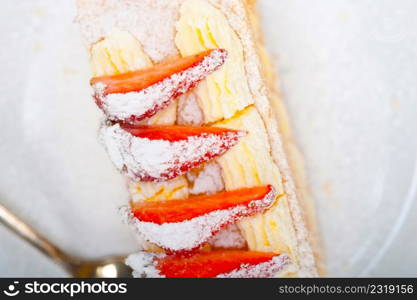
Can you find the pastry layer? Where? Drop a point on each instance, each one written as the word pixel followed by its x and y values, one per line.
pixel 294 155
pixel 191 227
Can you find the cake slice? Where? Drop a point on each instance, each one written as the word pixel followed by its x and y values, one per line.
pixel 239 95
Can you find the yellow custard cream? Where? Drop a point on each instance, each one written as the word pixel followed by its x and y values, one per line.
pixel 225 92
pixel 248 164
pixel 224 95
pixel 176 188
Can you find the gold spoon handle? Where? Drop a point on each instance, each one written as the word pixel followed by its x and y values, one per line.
pixel 34 238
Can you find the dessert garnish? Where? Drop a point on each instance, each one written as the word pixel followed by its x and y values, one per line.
pixel 219 263
pixel 186 224
pixel 162 152
pixel 137 95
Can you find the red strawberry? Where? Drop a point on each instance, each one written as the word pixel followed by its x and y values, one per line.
pixel 179 210
pixel 172 133
pixel 137 95
pixel 186 224
pixel 224 263
pixel 155 153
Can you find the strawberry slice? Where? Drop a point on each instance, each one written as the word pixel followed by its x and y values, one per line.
pixel 155 153
pixel 186 224
pixel 172 133
pixel 137 95
pixel 219 263
pixel 180 210
pixel 141 79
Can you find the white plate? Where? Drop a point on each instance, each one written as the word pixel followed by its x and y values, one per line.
pixel 348 74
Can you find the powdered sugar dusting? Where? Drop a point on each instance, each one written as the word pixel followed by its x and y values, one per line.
pixel 138 105
pixel 189 112
pixel 155 160
pixel 150 21
pixel 191 234
pixel 266 269
pixel 228 237
pixel 208 181
pixel 144 265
